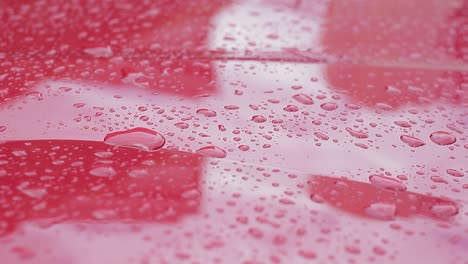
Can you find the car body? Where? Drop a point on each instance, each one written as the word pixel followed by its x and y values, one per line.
pixel 216 131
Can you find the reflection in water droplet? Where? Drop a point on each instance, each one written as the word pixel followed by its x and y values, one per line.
pixel 387 183
pixel 442 138
pixel 141 138
pixel 212 151
pixel 412 141
pixel 103 171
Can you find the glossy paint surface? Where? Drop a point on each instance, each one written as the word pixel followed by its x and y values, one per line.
pixel 234 131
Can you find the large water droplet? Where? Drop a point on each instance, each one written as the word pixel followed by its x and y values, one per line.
pixel 412 141
pixel 141 138
pixel 303 99
pixel 212 151
pixel 442 138
pixel 387 183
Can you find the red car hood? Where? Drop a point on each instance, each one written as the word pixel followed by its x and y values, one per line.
pixel 234 131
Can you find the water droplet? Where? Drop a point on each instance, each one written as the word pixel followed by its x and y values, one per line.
pixel 103 171
pixel 438 179
pixel 231 107
pixel 382 211
pixel 442 138
pixel 34 96
pixel 444 210
pixel 138 173
pixel 258 119
pixel 352 106
pixel 402 124
pixel 212 151
pixel 243 147
pixel 78 105
pixel 387 183
pixel 321 135
pixel 141 138
pixel 291 108
pixel 392 90
pixel 330 106
pixel 182 125
pixel 412 141
pixel 303 99
pixel 356 134
pixel 99 52
pixel 206 112
pixel 32 192
pixel 307 254
pixel 3 128
pixel 455 173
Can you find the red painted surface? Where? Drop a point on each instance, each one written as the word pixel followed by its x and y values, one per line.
pixel 233 131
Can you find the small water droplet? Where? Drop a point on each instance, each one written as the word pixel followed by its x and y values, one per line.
pixel 442 138
pixel 231 107
pixel 34 96
pixel 291 108
pixel 103 171
pixel 3 128
pixel 212 151
pixel 141 138
pixel 412 141
pixel 99 52
pixel 138 173
pixel 392 90
pixel 243 147
pixel 307 254
pixel 455 173
pixel 206 112
pixel 382 211
pixel 402 124
pixel 444 210
pixel 387 183
pixel 303 99
pixel 356 134
pixel 329 106
pixel 182 125
pixel 258 119
pixel 321 135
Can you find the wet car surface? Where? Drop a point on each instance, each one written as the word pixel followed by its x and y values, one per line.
pixel 234 131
